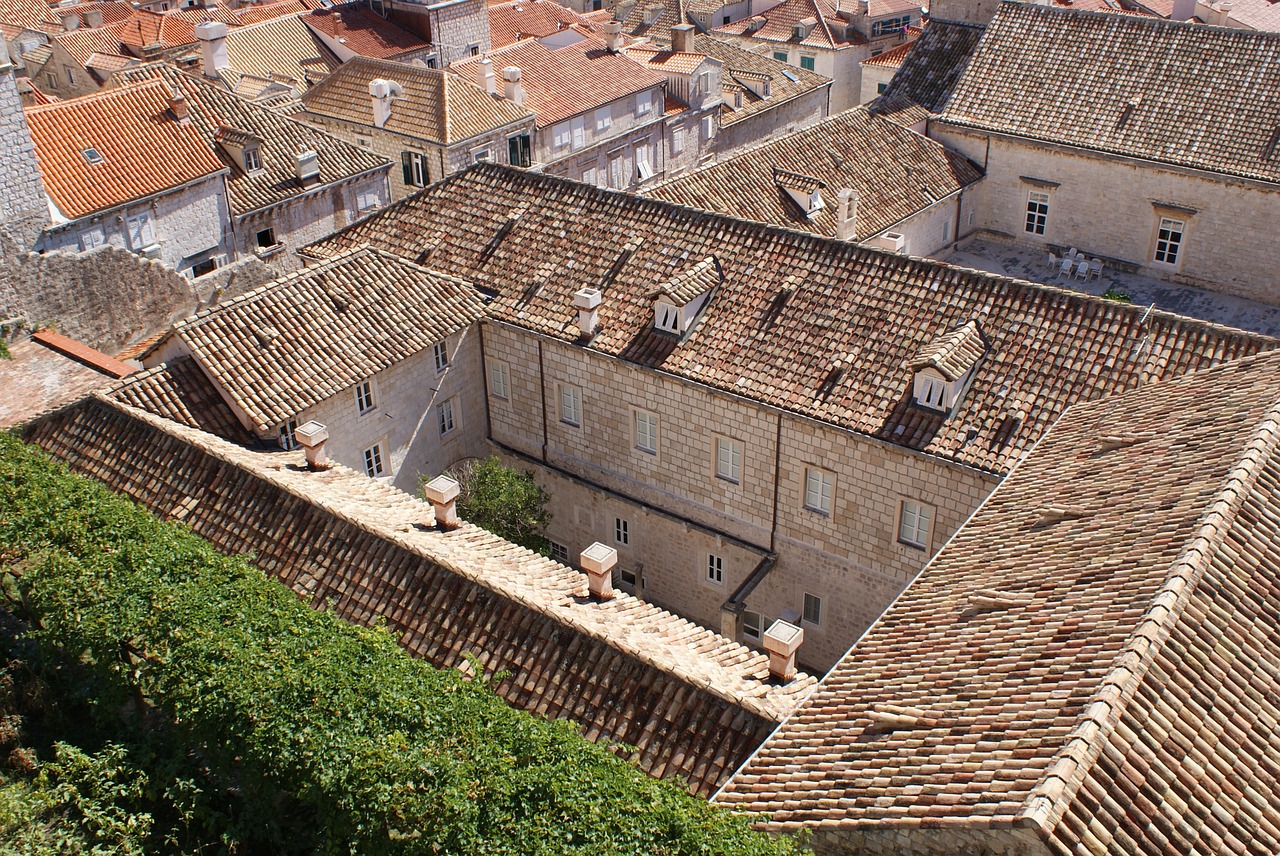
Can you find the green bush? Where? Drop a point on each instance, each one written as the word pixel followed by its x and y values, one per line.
pixel 506 501
pixel 315 734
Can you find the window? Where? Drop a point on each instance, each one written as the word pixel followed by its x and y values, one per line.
pixel 444 414
pixel 780 56
pixel 604 119
pixel 93 157
pixel 644 104
pixel 715 569
pixel 667 318
pixel 252 160
pixel 71 75
pixel 1037 212
pixel 94 236
pixel 1169 240
pixel 364 397
pixel 621 531
pixel 373 460
pixel 367 200
pixel 414 165
pixel 931 389
pixel 560 553
pixel 708 127
pixel 729 459
pixel 888 26
pixel 561 135
pixel 473 50
pixel 141 233
pixel 499 379
pixel 577 133
pixel 615 171
pixel 570 405
pixel 913 528
pixel 627 579
pixel 441 352
pixel 482 155
pixel 203 267
pixel 807 63
pixel 288 441
pixel 817 490
pixel 812 608
pixel 881 88
pixel 677 140
pixel 51 80
pixel 753 625
pixel 519 150
pixel 647 432
pixel 644 170
pixel 265 239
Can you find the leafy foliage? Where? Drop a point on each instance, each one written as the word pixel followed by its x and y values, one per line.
pixel 255 722
pixel 1118 295
pixel 506 501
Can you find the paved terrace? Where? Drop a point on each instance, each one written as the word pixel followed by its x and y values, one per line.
pixel 998 257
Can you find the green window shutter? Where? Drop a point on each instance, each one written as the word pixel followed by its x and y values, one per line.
pixel 408 168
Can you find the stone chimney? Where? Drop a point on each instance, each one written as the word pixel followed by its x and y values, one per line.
pixel 682 38
pixel 71 21
pixel 442 493
pixel 306 166
pixel 380 92
pixel 613 36
pixel 179 107
pixel 598 561
pixel 588 303
pixel 212 36
pixel 93 18
pixel 847 215
pixel 781 640
pixel 511 88
pixel 311 436
pixel 485 77
pixel 1224 13
pixel 1183 10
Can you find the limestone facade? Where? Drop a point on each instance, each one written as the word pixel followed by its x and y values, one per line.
pixel 23 206
pixel 798 113
pixel 616 136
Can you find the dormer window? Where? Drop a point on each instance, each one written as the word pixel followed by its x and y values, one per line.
pixel 677 303
pixel 943 367
pixel 252 160
pixel 804 190
pixel 242 147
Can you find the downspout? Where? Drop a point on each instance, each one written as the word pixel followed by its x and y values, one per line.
pixel 777 465
pixel 484 384
pixel 542 383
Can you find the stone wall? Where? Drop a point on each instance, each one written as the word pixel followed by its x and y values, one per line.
pixel 458 26
pixel 785 118
pixel 592 164
pixel 23 207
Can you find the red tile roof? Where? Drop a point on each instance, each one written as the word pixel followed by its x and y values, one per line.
pixel 891 58
pixel 83 353
pixel 144 149
pixel 31 14
pixel 667 61
pixel 363 32
pixel 513 20
pixel 84 42
pixel 266 11
pixel 570 80
pixel 779 25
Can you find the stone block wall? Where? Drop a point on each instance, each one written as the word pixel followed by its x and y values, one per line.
pixel 785 118
pixel 23 207
pixel 459 25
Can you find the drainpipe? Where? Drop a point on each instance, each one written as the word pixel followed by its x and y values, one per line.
pixel 542 382
pixel 777 465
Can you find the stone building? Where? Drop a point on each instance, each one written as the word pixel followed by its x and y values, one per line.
pixel 249 60
pixel 24 208
pixel 412 405
pixel 765 423
pixel 126 168
pixel 1088 666
pixel 287 183
pixel 429 123
pixel 1101 152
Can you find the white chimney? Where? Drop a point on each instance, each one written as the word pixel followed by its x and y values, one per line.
pixel 588 303
pixel 311 436
pixel 613 36
pixel 306 166
pixel 485 77
pixel 598 561
pixel 93 18
pixel 511 88
pixel 380 92
pixel 213 47
pixel 781 641
pixel 847 215
pixel 1183 10
pixel 682 38
pixel 1224 13
pixel 442 493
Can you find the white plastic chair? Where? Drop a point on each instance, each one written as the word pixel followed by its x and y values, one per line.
pixel 1053 260
pixel 1095 269
pixel 1082 272
pixel 1065 268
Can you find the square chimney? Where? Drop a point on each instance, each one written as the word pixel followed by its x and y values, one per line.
pixel 781 640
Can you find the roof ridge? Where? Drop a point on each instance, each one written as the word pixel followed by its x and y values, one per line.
pixel 1062 779
pixel 100 95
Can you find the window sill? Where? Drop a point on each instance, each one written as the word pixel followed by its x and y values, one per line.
pixel 570 424
pixel 268 252
pixel 727 480
pixel 818 511
pixel 652 452
pixel 921 547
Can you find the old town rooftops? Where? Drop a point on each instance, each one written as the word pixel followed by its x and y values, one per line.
pixel 789 303
pixel 1088 665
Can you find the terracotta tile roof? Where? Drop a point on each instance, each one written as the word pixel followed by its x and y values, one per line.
pixel 785 82
pixel 212 107
pixel 890 58
pixel 85 42
pixel 437 106
pixel 895 171
pixel 570 80
pixel 1090 661
pixel 691 702
pixel 1087 79
pixel 113 11
pixel 688 285
pixel 180 391
pixel 934 64
pixel 106 65
pixel 777 24
pixel 513 20
pixel 260 12
pixel 281 48
pixel 37 57
pixel 30 14
pixel 662 15
pixel 144 149
pixel 363 32
pixel 31 94
pixel 953 353
pixel 36 379
pixel 170 29
pixel 272 350
pixel 91 357
pixel 789 304
pixel 667 61
pixel 1256 14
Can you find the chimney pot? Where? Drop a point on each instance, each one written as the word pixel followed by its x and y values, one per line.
pixel 588 302
pixel 442 492
pixel 93 18
pixel 613 36
pixel 312 436
pixel 682 38
pixel 598 561
pixel 71 21
pixel 847 215
pixel 179 107
pixel 486 78
pixel 511 88
pixel 306 166
pixel 212 36
pixel 781 641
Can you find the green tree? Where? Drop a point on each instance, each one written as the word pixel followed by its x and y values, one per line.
pixel 506 501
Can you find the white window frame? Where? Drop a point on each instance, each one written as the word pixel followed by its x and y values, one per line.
pixel 677 140
pixel 570 398
pixel 617 171
pixel 367 200
pixel 932 391
pixel 729 459
pixel 1169 240
pixel 754 624
pixel 252 159
pixel 483 155
pixel 604 119
pixel 715 569
pixel 559 552
pixel 819 490
pixel 644 169
pixel 142 231
pixel 646 431
pixel 373 461
pixel 287 435
pixel 915 523
pixel 93 236
pixel 1037 212
pixel 366 401
pixel 440 352
pixel 644 103
pixel 577 133
pixel 667 317
pixel 418 169
pixel 812 610
pixel 499 379
pixel 621 532
pixel 561 136
pixel 446 417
